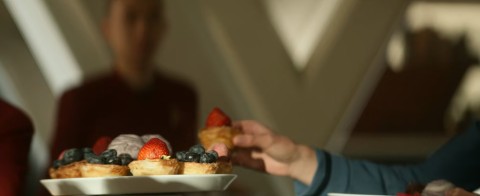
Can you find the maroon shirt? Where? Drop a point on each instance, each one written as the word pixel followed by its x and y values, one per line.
pixel 106 106
pixel 16 132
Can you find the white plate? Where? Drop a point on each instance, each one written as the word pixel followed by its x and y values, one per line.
pixel 348 194
pixel 477 191
pixel 139 184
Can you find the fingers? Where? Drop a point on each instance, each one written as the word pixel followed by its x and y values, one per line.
pixel 259 161
pixel 262 141
pixel 251 127
pixel 243 157
pixel 254 135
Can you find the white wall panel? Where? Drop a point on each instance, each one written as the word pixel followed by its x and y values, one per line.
pixel 46 43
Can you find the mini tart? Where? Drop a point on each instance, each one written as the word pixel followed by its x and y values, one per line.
pixel 213 135
pixel 150 167
pixel 103 170
pixel 84 169
pixel 205 168
pixel 224 167
pixel 71 170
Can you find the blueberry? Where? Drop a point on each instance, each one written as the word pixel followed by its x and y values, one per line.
pixel 113 161
pixel 72 155
pixel 192 157
pixel 87 155
pixel 207 158
pixel 198 149
pixel 109 153
pixel 87 150
pixel 213 153
pixel 125 159
pixel 96 159
pixel 181 155
pixel 213 157
pixel 57 164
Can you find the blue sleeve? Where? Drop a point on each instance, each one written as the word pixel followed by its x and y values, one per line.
pixel 458 161
pixel 336 174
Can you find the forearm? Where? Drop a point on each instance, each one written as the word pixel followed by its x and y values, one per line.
pixel 338 174
pixel 305 165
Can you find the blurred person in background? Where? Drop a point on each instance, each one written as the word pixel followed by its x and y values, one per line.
pixel 317 172
pixel 134 98
pixel 16 132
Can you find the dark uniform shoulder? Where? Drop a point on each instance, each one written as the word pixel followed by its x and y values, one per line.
pixel 91 88
pixel 12 118
pixel 94 84
pixel 177 85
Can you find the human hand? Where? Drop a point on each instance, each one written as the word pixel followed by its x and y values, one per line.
pixel 275 154
pixel 221 149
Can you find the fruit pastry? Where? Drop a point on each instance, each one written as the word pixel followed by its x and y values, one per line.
pixel 131 143
pixel 77 163
pixel 106 164
pixel 197 161
pixel 218 129
pixel 154 159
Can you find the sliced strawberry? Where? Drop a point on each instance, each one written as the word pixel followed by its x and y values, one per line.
pixel 101 144
pixel 153 149
pixel 217 118
pixel 60 157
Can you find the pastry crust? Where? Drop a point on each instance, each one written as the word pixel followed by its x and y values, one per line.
pixel 224 167
pixel 154 167
pixel 198 168
pixel 71 170
pixel 103 170
pixel 214 135
pixel 205 168
pixel 84 169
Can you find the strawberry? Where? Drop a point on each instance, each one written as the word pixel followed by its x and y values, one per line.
pixel 60 157
pixel 101 144
pixel 153 149
pixel 217 118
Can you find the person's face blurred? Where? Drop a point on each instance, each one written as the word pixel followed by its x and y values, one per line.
pixel 133 29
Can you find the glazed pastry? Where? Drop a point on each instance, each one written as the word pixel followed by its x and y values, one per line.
pixel 210 136
pixel 154 159
pixel 197 161
pixel 217 130
pixel 103 170
pixel 150 167
pixel 78 163
pixel 205 168
pixel 83 169
pixel 71 170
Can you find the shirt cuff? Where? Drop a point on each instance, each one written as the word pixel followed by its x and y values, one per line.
pixel 321 178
